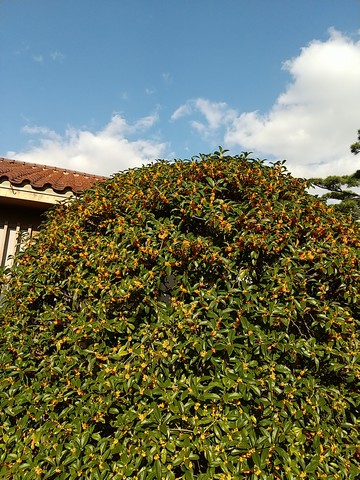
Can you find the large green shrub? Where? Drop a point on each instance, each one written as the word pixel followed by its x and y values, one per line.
pixel 194 319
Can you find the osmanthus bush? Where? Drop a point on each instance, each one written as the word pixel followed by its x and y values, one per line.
pixel 185 320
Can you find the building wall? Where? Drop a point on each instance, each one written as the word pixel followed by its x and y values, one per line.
pixel 15 221
pixel 22 210
pixel 22 205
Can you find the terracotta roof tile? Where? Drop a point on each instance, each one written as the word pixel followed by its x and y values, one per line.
pixel 40 176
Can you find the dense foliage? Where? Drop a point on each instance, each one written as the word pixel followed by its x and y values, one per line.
pixel 355 147
pixel 195 319
pixel 338 187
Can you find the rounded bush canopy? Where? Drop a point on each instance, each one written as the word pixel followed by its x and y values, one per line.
pixel 185 320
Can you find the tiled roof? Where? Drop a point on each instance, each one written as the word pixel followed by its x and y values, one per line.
pixel 40 176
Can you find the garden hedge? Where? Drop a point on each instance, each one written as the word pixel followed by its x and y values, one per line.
pixel 185 320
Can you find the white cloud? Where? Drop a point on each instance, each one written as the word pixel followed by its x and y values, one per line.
pixel 124 96
pixel 103 152
pixel 167 78
pixel 38 58
pixel 217 115
pixel 57 56
pixel 311 124
pixel 118 126
pixel 44 131
pixel 314 121
pixel 183 110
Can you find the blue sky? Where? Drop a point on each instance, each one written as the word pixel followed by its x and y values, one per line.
pixel 104 85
